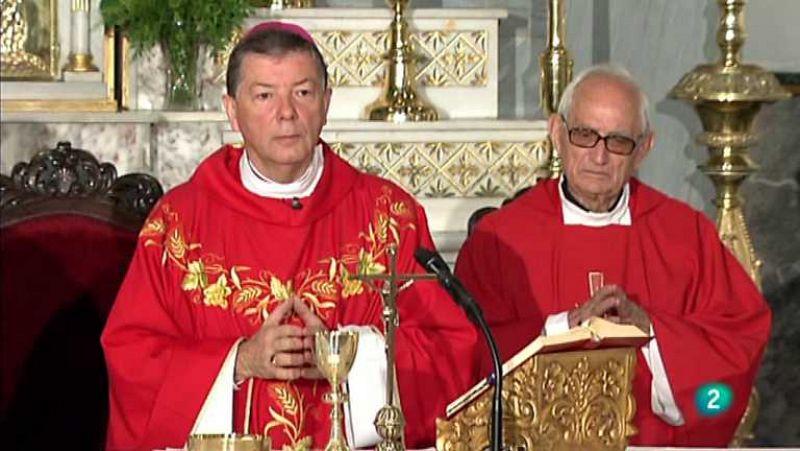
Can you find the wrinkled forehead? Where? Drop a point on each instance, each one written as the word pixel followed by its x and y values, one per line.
pixel 292 67
pixel 607 104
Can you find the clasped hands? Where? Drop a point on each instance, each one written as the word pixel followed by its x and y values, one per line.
pixel 611 303
pixel 278 350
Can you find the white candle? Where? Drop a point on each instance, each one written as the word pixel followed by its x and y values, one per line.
pixel 80 27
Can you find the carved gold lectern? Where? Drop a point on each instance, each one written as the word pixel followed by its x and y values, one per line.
pixel 554 396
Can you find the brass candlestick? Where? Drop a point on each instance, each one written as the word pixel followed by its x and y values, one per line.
pixel 400 101
pixel 390 422
pixel 728 95
pixel 555 73
pixel 335 352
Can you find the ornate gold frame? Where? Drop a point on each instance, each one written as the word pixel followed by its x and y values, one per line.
pixel 108 103
pixel 53 48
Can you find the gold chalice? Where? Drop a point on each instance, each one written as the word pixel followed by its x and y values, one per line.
pixel 335 351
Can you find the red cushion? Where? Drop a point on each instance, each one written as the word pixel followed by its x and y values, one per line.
pixel 60 275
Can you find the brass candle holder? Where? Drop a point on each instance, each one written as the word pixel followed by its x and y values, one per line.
pixel 728 95
pixel 400 101
pixel 335 352
pixel 555 72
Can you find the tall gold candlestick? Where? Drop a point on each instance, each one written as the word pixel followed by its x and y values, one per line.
pixel 556 71
pixel 400 101
pixel 728 95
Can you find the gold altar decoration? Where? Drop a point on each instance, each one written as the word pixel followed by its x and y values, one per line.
pixel 108 103
pixel 334 354
pixel 29 48
pixel 448 169
pixel 556 70
pixel 389 421
pixel 572 400
pixel 728 95
pixel 400 101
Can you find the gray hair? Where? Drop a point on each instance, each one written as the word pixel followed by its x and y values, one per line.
pixel 611 71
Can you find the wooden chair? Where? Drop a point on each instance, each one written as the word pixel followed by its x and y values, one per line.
pixel 68 228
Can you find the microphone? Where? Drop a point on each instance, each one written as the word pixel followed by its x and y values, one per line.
pixel 435 264
pixel 296 205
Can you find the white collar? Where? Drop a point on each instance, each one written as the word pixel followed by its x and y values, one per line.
pixel 260 185
pixel 574 215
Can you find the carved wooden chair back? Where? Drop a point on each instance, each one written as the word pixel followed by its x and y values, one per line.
pixel 68 228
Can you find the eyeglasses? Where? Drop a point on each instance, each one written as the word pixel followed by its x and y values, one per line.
pixel 588 138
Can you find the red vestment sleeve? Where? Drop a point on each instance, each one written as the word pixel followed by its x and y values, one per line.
pixel 158 379
pixel 512 316
pixel 719 338
pixel 435 345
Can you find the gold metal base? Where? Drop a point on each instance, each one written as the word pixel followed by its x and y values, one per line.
pixel 390 423
pixel 80 62
pixel 402 111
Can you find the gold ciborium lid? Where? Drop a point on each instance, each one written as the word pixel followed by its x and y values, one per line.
pixel 228 442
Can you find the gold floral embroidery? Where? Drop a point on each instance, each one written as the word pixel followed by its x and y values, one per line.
pixel 195 277
pixel 255 293
pixel 217 294
pixel 291 417
pixel 154 227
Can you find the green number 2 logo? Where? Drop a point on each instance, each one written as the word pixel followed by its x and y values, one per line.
pixel 713 399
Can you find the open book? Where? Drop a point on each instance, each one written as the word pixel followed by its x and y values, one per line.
pixel 593 333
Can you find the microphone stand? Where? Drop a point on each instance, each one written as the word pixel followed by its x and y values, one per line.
pixel 497 398
pixel 434 263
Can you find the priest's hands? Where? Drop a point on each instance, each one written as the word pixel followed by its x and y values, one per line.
pixel 281 351
pixel 611 302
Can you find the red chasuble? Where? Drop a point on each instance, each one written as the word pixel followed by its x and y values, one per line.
pixel 214 260
pixel 522 264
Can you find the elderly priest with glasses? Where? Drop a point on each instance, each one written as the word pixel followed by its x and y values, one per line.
pixel 598 242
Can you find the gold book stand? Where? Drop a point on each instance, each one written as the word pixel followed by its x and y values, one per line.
pixel 553 400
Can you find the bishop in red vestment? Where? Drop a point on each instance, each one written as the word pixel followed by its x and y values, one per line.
pixel 223 252
pixel 599 242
